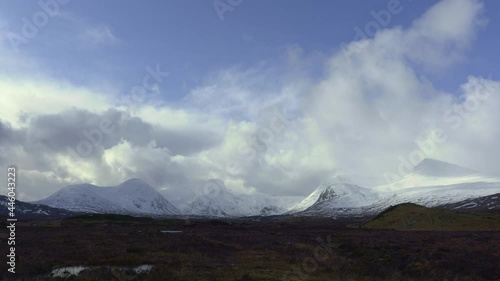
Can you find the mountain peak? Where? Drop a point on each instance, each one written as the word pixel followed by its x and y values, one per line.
pixel 438 168
pixel 338 178
pixel 134 181
pixel 134 184
pixel 133 196
pixel 337 195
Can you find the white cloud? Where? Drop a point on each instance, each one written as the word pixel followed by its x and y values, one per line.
pixel 363 114
pixel 441 35
pixel 24 97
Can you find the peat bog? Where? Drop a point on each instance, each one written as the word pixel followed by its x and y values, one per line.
pixel 275 249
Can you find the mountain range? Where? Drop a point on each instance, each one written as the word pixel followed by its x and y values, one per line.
pixel 431 183
pixel 133 197
pixel 228 204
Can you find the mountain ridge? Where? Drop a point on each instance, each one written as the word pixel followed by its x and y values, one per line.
pixel 438 168
pixel 133 196
pixel 431 183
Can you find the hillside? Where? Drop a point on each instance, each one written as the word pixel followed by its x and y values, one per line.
pixel 26 210
pixel 484 203
pixel 410 216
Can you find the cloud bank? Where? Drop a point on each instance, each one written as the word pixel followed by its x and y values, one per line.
pixel 274 128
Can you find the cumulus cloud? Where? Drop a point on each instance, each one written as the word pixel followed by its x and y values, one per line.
pixel 437 41
pixel 275 128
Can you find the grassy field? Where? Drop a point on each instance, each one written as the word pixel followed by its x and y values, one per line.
pixel 414 217
pixel 280 249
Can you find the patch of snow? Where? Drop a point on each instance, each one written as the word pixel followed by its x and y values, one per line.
pixel 145 268
pixel 467 206
pixel 65 272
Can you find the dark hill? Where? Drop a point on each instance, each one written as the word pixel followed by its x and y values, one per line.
pixel 409 216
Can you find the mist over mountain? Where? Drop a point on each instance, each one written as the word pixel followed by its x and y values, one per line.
pixel 431 183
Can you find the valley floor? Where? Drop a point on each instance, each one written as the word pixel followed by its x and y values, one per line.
pixel 284 249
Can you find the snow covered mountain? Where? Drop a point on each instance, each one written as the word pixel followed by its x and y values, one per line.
pixel 431 183
pixel 133 197
pixel 431 172
pixel 337 195
pixel 225 203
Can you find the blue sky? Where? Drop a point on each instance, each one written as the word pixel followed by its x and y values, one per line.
pixel 188 39
pixel 346 104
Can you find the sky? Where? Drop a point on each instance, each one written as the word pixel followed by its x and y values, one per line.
pixel 269 97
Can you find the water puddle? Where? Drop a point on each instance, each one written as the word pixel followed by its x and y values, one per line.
pixel 65 272
pixel 141 269
pixel 170 231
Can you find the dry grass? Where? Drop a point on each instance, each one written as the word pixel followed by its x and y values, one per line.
pixel 243 250
pixel 414 217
